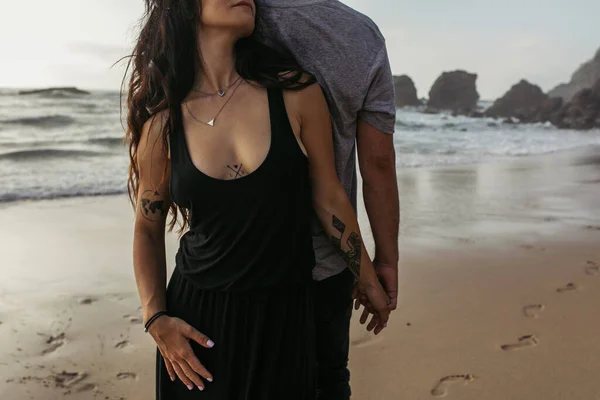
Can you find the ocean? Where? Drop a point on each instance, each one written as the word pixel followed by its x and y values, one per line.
pixel 65 145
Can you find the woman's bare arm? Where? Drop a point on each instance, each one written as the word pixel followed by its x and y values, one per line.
pixel 153 202
pixel 330 201
pixel 172 335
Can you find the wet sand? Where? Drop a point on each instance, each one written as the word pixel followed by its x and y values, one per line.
pixel 499 295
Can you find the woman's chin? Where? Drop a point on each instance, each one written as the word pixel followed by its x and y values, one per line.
pixel 245 30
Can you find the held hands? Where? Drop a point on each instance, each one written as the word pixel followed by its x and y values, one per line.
pixel 380 300
pixel 172 335
pixel 372 295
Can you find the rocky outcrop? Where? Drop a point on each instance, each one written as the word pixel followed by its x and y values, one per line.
pixel 521 101
pixel 406 92
pixel 55 91
pixel 547 111
pixel 582 112
pixel 456 91
pixel 583 78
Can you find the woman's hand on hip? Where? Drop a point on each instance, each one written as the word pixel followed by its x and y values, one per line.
pixel 172 335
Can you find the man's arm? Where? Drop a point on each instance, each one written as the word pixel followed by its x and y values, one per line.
pixel 377 162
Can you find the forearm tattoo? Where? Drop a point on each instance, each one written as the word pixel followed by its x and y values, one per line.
pixel 353 255
pixel 236 171
pixel 153 206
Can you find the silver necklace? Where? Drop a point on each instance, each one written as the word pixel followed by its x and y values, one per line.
pixel 212 121
pixel 220 92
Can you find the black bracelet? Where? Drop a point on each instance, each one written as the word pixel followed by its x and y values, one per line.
pixel 152 319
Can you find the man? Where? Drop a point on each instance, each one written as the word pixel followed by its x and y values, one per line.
pixel 346 52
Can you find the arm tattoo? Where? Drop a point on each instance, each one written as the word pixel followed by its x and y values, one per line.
pixel 236 171
pixel 353 255
pixel 153 207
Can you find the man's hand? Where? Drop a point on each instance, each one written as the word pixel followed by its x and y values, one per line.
pixel 388 276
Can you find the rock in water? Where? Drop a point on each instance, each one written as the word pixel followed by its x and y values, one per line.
pixel 406 92
pixel 521 101
pixel 547 111
pixel 582 112
pixel 456 91
pixel 583 78
pixel 56 91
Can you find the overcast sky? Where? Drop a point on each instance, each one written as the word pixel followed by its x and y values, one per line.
pixel 74 42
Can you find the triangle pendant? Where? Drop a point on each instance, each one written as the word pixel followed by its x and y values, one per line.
pixel 211 122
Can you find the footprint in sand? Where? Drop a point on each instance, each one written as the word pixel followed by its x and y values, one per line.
pixel 122 345
pixel 593 228
pixel 54 342
pixel 87 301
pixel 592 268
pixel 569 287
pixel 66 379
pixel 366 340
pixel 532 247
pixel 88 387
pixel 524 341
pixel 126 375
pixel 550 219
pixel 527 247
pixel 533 310
pixel 133 320
pixel 441 388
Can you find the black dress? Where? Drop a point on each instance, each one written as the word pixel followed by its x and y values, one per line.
pixel 243 272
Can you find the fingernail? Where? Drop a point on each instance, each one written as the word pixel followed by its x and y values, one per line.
pixel 190 387
pixel 200 388
pixel 209 379
pixel 172 378
pixel 210 343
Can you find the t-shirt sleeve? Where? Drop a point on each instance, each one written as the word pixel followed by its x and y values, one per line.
pixel 379 107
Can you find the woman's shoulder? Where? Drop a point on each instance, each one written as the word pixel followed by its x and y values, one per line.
pixel 308 93
pixel 152 131
pixel 155 123
pixel 307 103
pixel 304 87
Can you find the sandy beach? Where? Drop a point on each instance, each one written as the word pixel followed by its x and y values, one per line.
pixel 499 292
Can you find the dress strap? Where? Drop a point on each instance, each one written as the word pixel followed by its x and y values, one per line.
pixel 281 128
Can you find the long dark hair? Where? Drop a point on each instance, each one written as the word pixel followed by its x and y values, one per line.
pixel 164 65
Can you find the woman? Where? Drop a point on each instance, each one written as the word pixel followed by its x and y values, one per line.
pixel 230 135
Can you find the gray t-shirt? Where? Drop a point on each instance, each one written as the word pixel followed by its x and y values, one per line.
pixel 346 53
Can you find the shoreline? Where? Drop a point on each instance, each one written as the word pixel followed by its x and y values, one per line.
pixel 482 247
pixel 562 154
